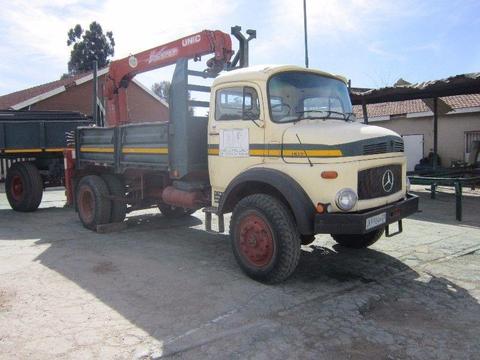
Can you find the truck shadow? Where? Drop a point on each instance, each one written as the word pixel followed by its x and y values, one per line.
pixel 182 286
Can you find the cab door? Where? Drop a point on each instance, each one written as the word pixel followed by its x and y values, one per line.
pixel 236 134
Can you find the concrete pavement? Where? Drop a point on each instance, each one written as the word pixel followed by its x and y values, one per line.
pixel 169 289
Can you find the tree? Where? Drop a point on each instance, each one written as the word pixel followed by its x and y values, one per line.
pixel 89 45
pixel 162 89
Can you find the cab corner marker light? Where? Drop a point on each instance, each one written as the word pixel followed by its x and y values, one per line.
pixel 329 174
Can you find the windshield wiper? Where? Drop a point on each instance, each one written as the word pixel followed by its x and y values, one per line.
pixel 301 117
pixel 328 113
pixel 349 115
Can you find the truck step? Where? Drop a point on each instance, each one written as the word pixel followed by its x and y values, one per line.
pixel 208 220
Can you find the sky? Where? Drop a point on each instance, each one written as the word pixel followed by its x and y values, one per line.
pixel 371 42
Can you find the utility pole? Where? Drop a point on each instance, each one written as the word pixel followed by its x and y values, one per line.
pixel 305 31
pixel 95 91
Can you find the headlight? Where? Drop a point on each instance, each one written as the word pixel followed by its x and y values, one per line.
pixel 408 185
pixel 346 199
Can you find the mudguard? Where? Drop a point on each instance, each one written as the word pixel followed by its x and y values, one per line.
pixel 298 201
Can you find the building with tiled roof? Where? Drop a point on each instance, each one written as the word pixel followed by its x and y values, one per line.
pixel 458 126
pixel 76 94
pixel 385 110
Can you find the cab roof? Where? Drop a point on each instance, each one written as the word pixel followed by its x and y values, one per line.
pixel 263 72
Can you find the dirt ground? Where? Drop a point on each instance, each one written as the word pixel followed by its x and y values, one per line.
pixel 168 289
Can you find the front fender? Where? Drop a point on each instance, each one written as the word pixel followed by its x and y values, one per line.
pixel 293 194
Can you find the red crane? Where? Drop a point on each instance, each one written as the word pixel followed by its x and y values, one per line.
pixel 190 47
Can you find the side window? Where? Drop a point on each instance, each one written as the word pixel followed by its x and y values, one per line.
pixel 237 103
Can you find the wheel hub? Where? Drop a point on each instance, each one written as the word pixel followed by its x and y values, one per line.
pixel 256 240
pixel 17 187
pixel 86 203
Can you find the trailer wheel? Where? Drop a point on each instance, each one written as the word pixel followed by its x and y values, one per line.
pixel 24 187
pixel 173 212
pixel 265 239
pixel 94 208
pixel 358 241
pixel 117 189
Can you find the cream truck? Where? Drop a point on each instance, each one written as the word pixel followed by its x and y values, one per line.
pixel 280 149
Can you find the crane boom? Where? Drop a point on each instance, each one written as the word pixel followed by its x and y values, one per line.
pixel 190 47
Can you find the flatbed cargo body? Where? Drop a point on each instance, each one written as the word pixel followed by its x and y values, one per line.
pixel 32 145
pixel 123 147
pixel 36 132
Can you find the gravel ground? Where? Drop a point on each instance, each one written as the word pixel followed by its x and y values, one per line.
pixel 168 289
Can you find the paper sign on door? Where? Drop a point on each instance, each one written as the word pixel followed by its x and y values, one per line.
pixel 234 143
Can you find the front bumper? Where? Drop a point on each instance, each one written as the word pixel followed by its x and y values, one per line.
pixel 356 223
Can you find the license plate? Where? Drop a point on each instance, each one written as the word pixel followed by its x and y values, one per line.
pixel 376 220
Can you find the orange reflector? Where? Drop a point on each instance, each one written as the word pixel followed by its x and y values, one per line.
pixel 329 174
pixel 320 208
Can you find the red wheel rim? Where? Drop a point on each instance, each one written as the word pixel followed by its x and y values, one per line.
pixel 86 203
pixel 17 187
pixel 256 243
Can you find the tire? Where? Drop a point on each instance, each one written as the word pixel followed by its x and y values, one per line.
pixel 174 212
pixel 358 241
pixel 265 239
pixel 116 188
pixel 94 208
pixel 307 239
pixel 24 187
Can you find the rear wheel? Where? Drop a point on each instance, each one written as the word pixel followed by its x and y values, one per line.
pixel 117 189
pixel 358 241
pixel 24 187
pixel 173 212
pixel 94 207
pixel 265 240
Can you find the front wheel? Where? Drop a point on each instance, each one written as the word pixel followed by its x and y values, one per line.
pixel 265 240
pixel 358 241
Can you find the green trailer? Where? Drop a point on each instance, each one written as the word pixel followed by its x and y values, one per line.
pixel 31 152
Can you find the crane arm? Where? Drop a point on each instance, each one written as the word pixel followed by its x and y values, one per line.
pixel 190 47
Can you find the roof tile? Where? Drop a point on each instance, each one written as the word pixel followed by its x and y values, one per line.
pixel 416 106
pixel 9 100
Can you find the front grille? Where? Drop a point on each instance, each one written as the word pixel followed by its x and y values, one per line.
pixel 383 147
pixel 374 182
pixel 398 146
pixel 378 148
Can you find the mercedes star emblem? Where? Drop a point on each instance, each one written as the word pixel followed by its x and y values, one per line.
pixel 387 181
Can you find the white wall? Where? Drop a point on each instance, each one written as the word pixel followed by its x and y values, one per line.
pixel 451 132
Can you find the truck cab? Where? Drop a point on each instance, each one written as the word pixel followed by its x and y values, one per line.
pixel 300 122
pixel 290 133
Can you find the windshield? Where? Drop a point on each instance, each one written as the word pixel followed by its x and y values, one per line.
pixel 298 95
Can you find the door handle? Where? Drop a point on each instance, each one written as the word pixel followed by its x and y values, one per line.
pixel 213 133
